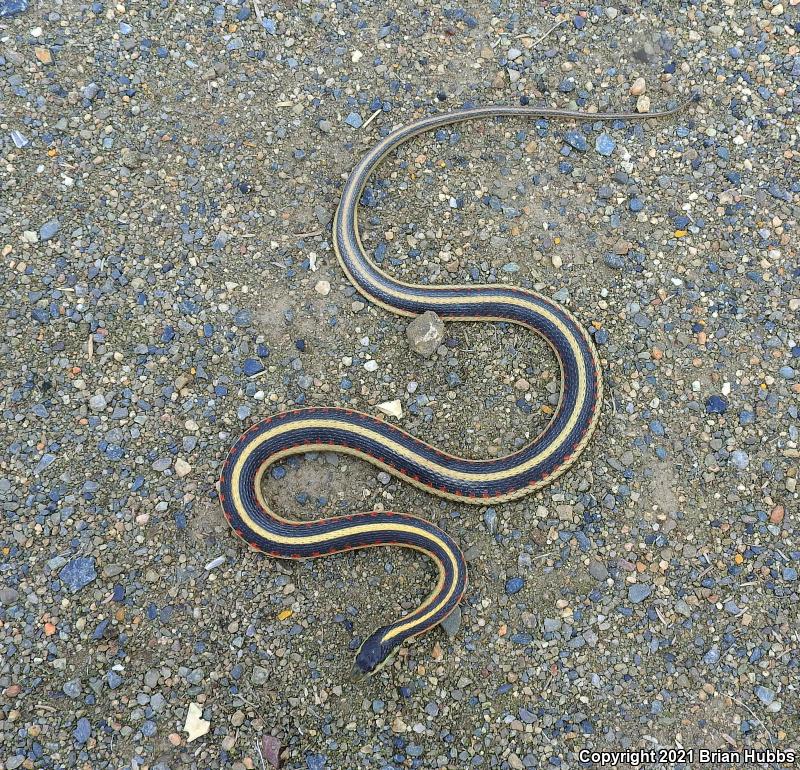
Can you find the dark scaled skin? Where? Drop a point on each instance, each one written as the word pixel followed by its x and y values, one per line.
pixel 373 655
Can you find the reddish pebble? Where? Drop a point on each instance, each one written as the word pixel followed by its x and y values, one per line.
pixel 271 749
pixel 12 691
pixel 776 514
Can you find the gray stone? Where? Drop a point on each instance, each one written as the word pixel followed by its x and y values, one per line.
pixel 425 333
pixel 452 623
pixel 598 570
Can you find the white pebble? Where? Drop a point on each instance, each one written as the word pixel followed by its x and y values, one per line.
pixel 323 288
pixel 392 408
pixel 371 365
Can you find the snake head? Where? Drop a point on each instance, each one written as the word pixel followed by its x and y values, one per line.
pixel 375 653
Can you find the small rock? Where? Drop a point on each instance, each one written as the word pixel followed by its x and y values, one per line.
pixel 195 726
pixel 638 88
pixel 776 514
pixel 392 408
pixel 452 623
pixel 598 570
pixel 78 573
pixel 765 694
pixel 604 144
pixel 8 595
pixel 90 91
pixel 43 55
pixel 259 676
pixel 182 468
pixel 98 402
pixel 638 592
pixel 354 120
pixel 552 624
pixel 643 104
pixel 514 585
pixel 271 750
pixel 83 730
pixel 49 229
pixel 425 333
pixel 323 288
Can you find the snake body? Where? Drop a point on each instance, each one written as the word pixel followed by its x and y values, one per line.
pixel 392 449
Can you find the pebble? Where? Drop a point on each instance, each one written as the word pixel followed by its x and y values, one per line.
pixel 98 403
pixel 452 623
pixel 514 585
pixel 78 573
pixel 604 145
pixel 598 570
pixel 425 333
pixel 49 229
pixel 638 592
pixel 323 288
pixel 638 87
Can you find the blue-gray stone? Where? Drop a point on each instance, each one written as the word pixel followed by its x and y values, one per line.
pixel 83 730
pixel 514 585
pixel 114 679
pixel 765 694
pixel 11 7
pixel 243 318
pixel 712 656
pixel 252 366
pixel 78 573
pixel 72 689
pixel 490 520
pixel 354 120
pixel 786 372
pixel 614 261
pixel 19 139
pixel 576 140
pixel 716 405
pixel 638 592
pixel 46 461
pixel 740 459
pixel 49 229
pixel 604 144
pixel 452 623
pixel 90 91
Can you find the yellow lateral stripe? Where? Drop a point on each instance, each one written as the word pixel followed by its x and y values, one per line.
pixel 408 454
pixel 358 529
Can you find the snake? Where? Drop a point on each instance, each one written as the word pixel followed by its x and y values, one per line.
pixel 392 449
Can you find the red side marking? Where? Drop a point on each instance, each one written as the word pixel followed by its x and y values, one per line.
pixel 314 554
pixel 222 496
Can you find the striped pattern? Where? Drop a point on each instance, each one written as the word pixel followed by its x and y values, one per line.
pixel 392 449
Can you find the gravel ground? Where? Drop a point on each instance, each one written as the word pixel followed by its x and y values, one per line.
pixel 169 174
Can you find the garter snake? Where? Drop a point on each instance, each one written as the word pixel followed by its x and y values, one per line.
pixel 392 449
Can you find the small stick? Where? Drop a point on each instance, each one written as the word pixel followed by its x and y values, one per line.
pixel 258 747
pixel 548 33
pixel 371 118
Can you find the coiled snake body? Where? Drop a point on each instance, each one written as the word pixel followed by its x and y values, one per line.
pixel 392 449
